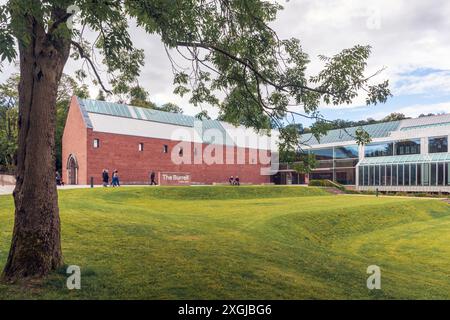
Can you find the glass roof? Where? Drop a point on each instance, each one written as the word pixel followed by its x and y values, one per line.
pixel 379 130
pixel 432 125
pixel 122 110
pixel 413 158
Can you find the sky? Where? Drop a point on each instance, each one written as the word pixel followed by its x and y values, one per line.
pixel 409 38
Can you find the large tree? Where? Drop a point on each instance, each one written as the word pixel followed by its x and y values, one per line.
pixel 9 101
pixel 238 63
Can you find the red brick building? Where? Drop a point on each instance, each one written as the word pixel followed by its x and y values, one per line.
pixel 178 148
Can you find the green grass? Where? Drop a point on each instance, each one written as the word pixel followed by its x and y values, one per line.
pixel 243 243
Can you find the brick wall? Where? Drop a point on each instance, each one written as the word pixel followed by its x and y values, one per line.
pixel 74 142
pixel 121 152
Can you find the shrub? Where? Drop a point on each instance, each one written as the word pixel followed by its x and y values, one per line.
pixel 326 183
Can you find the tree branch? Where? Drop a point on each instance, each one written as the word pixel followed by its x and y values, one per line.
pixel 249 65
pixel 88 59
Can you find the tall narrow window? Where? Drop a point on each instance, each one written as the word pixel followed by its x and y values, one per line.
pixel 394 174
pixel 400 174
pixel 426 174
pixel 96 143
pixel 141 147
pixel 388 175
pixel 407 175
pixel 413 178
pixel 165 148
pixel 447 173
pixel 433 174
pixel 440 174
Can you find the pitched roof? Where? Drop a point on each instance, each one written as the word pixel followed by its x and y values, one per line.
pixel 106 117
pixel 379 130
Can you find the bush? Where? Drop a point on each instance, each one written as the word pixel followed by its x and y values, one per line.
pixel 326 183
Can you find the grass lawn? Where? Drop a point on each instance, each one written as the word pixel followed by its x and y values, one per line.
pixel 243 243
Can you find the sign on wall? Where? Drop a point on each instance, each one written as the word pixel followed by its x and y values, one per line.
pixel 175 178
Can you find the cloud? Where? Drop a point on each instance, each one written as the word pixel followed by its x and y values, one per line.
pixel 416 110
pixel 405 35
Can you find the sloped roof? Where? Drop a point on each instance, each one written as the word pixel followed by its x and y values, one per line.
pixel 94 110
pixel 405 159
pixel 378 130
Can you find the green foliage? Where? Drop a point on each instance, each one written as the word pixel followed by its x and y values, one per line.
pixel 326 183
pixel 9 117
pixel 233 52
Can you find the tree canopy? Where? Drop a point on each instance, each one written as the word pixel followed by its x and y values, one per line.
pixel 238 62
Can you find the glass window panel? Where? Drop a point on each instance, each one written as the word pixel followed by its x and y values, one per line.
pixel 400 174
pixel 379 149
pixel 433 174
pixel 447 173
pixel 406 175
pixel 366 176
pixel 419 174
pixel 413 178
pixel 346 152
pixel 440 174
pixel 407 147
pixel 383 175
pixel 388 175
pixel 377 175
pixel 322 154
pixel 394 175
pixel 361 176
pixel 436 145
pixel 426 174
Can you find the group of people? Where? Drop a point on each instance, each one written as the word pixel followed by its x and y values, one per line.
pixel 114 179
pixel 234 181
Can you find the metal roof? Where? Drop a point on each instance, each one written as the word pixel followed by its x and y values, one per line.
pixel 138 113
pixel 423 126
pixel 378 130
pixel 405 159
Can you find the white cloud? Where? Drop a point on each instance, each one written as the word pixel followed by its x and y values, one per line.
pixel 416 110
pixel 405 35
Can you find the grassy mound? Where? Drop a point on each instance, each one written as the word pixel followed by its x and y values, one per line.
pixel 207 193
pixel 244 243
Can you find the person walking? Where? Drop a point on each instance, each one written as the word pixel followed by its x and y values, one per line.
pixel 115 179
pixel 152 179
pixel 231 180
pixel 105 177
pixel 58 179
pixel 237 181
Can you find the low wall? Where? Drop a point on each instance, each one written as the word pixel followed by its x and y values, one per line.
pixel 7 180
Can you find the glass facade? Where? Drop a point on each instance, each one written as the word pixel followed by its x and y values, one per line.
pixel 436 145
pixel 421 174
pixel 337 164
pixel 379 149
pixel 407 147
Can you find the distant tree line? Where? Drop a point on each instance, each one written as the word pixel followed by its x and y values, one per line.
pixel 68 87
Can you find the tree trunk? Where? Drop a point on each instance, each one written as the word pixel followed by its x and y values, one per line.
pixel 36 243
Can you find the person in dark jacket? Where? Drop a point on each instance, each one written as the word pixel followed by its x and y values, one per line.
pixel 237 181
pixel 231 180
pixel 152 179
pixel 105 177
pixel 58 179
